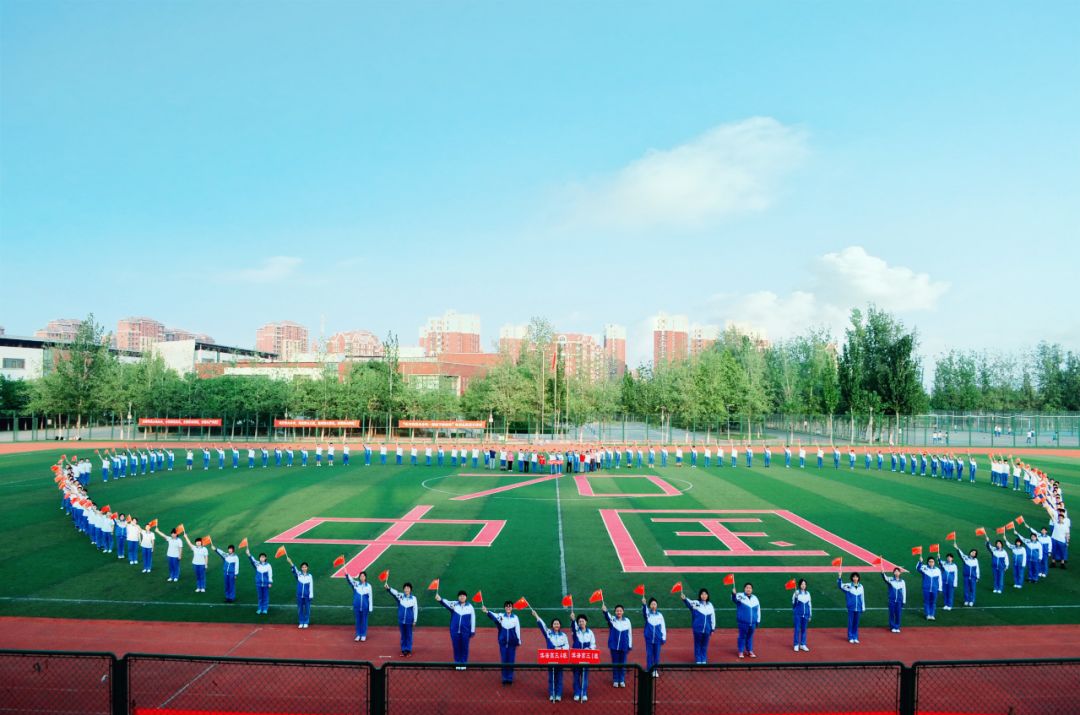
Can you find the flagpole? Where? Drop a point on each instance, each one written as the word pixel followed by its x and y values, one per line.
pixel 543 392
pixel 555 391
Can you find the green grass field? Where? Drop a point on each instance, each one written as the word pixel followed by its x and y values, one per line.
pixel 51 570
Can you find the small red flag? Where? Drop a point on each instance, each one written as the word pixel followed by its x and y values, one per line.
pixel 384 575
pixel 113 516
pixel 1038 500
pixel 729 580
pixel 837 561
pixel 790 585
pixel 981 531
pixel 1010 525
pixel 280 552
pixel 206 540
pixel 339 561
pixel 433 586
pixel 935 548
pixel 1000 530
pixel 152 524
pixel 243 543
pixel 521 604
pixel 597 595
pixel 916 551
pixel 568 601
pixel 105 509
pixel 951 536
pixel 479 597
pixel 179 529
pixel 876 562
pixel 639 590
pixel 1019 520
pixel 677 588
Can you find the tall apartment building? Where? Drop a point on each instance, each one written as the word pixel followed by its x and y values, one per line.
pixel 285 339
pixel 61 329
pixel 702 338
pixel 451 332
pixel 355 343
pixel 138 333
pixel 670 338
pixel 173 335
pixel 581 355
pixel 511 338
pixel 614 351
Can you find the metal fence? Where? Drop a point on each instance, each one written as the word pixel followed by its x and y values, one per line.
pixel 35 682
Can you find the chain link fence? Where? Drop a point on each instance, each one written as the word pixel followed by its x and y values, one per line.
pixel 176 683
pixel 763 688
pixel 56 683
pixel 418 688
pixel 1040 687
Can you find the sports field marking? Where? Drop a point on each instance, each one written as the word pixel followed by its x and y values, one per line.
pixel 562 547
pixel 208 668
pixel 506 488
pixel 714 521
pixel 393 536
pixel 585 489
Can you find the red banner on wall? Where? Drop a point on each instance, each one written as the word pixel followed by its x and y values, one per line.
pixel 316 423
pixel 564 657
pixel 179 421
pixel 441 424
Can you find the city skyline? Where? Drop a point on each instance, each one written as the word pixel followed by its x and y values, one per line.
pixel 766 180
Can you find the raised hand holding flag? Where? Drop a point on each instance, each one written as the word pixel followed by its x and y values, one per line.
pixel 935 548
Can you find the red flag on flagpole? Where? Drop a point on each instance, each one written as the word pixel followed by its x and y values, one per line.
pixel 521 604
pixel 916 551
pixel 951 536
pixel 433 586
pixel 568 601
pixel 729 580
pixel 280 552
pixel 877 561
pixel 384 575
pixel 1000 530
pixel 837 561
pixel 790 585
pixel 639 590
pixel 179 529
pixel 935 548
pixel 339 561
pixel 1019 520
pixel 981 531
pixel 479 597
pixel 152 524
pixel 1010 525
pixel 597 595
pixel 677 588
pixel 243 543
pixel 105 509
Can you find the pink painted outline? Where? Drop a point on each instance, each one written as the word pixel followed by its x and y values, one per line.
pixel 631 560
pixel 506 488
pixel 585 489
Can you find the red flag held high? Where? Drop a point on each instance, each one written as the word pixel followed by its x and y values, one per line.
pixel 677 588
pixel 981 531
pixel 729 580
pixel 339 561
pixel 951 536
pixel 916 551
pixel 568 601
pixel 433 586
pixel 280 552
pixel 639 590
pixel 384 575
pixel 243 543
pixel 837 561
pixel 1000 530
pixel 597 595
pixel 790 585
pixel 1010 525
pixel 521 604
pixel 479 597
pixel 1019 520
pixel 877 561
pixel 935 548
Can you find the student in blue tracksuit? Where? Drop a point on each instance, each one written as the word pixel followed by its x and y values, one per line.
pixel 620 641
pixel 999 563
pixel 787 456
pixel 802 611
pixel 305 592
pixel 655 634
pixel 970 573
pixel 747 617
pixel 1034 556
pixel 363 603
pixel 120 536
pixel 264 580
pixel 509 626
pixel 230 567
pixel 855 600
pixel 462 625
pixel 407 613
pixel 931 585
pixel 235 457
pixel 554 639
pixel 199 554
pixel 584 639
pixel 897 597
pixel 1047 544
pixel 1019 552
pixel 950 579
pixel 703 623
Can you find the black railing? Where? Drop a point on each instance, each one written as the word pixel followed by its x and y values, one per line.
pixel 99 683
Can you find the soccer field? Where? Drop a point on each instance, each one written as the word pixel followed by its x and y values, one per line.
pixel 610 530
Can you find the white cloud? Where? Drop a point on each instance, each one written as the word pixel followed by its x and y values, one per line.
pixel 838 282
pixel 732 168
pixel 854 277
pixel 271 270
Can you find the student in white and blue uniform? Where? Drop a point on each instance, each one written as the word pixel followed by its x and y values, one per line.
pixel 554 639
pixel 199 554
pixel 999 563
pixel 931 585
pixel 362 603
pixel 703 623
pixel 655 634
pixel 971 469
pixel 120 536
pixel 176 546
pixel 303 457
pixel 344 454
pixel 747 618
pixel 235 457
pixel 367 455
pixel 787 456
pixel 290 456
pixel 509 627
pixel 264 579
pixel 1059 537
pixel 802 457
pixel 462 625
pixel 950 578
pixel 584 639
pixel 1034 557
pixel 855 600
pixel 768 456
pixel 104 467
pixel 146 543
pixel 251 458
pixel 330 454
pixel 318 454
pixel 970 573
pixel 1046 544
pixel 897 597
pixel 407 613
pixel 820 457
pixel 265 457
pixel 620 642
pixel 305 592
pixel 277 456
pixel 880 460
pixel 134 536
pixel 1019 551
pixel 749 456
pixel 189 459
pixel 230 566
pixel 801 611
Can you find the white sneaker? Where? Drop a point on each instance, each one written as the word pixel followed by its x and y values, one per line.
pixel 363 638
pixel 850 640
pixel 796 648
pixel 584 698
pixel 577 697
pixel 357 639
pixel 804 648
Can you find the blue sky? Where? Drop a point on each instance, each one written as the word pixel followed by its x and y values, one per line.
pixel 220 165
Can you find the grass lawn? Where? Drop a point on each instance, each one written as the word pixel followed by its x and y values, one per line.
pixel 51 570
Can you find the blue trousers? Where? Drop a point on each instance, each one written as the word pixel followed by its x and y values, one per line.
pixel 263 595
pixel 147 558
pixel 230 587
pixel 303 610
pixel 174 567
pixel 507 654
pixel 929 601
pixel 460 644
pixel 853 624
pixel 360 615
pixel 405 630
pixel 555 678
pixel 618 658
pixel 701 647
pixel 896 608
pixel 200 577
pixel 969 589
pixel 133 551
pixel 581 682
pixel 999 575
pixel 652 655
pixel 801 624
pixel 746 637
pixel 1033 568
pixel 1018 573
pixel 947 592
